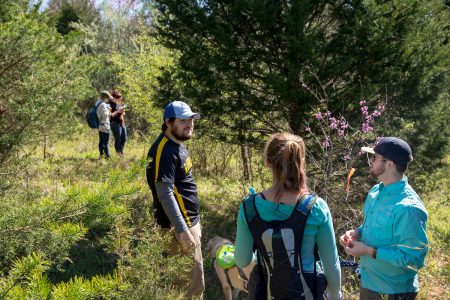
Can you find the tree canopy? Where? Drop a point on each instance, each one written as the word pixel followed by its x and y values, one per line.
pixel 38 77
pixel 258 66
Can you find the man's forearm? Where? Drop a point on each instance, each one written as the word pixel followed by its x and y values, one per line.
pixel 169 204
pixel 411 258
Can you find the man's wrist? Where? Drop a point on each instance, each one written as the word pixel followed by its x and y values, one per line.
pixel 372 252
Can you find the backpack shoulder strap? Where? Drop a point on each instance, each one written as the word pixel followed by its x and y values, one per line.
pixel 305 207
pixel 250 213
pixel 302 211
pixel 249 206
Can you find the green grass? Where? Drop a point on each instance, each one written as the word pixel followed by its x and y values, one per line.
pixel 435 277
pixel 111 200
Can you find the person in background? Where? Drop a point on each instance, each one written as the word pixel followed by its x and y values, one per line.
pixel 175 198
pixel 103 114
pixel 118 122
pixel 392 241
pixel 278 212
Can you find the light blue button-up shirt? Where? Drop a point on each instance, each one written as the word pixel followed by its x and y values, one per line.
pixel 395 222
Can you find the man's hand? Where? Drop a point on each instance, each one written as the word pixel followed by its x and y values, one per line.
pixel 186 240
pixel 356 248
pixel 350 235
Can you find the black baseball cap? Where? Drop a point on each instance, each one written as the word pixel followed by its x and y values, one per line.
pixel 392 148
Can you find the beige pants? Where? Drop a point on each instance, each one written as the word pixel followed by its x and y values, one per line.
pixel 197 280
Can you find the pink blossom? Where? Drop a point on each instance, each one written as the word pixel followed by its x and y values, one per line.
pixel 340 132
pixel 368 118
pixel 381 107
pixel 364 110
pixel 328 114
pixel 347 157
pixel 334 123
pixel 319 116
pixel 366 128
pixel 343 123
pixel 362 102
pixel 376 113
pixel 308 129
pixel 326 143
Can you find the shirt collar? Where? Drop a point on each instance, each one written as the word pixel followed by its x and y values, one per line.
pixel 396 186
pixel 170 140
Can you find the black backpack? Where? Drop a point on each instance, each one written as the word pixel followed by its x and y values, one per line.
pixel 91 116
pixel 279 244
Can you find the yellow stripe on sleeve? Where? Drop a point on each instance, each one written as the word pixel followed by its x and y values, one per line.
pixel 158 156
pixel 181 203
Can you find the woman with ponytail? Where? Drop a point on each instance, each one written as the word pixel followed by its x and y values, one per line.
pixel 285 224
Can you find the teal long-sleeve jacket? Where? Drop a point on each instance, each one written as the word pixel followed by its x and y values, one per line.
pixel 319 228
pixel 395 222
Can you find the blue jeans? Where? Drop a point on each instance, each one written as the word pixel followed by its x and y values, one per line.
pixel 120 136
pixel 103 143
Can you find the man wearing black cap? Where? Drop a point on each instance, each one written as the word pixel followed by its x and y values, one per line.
pixel 175 198
pixel 392 241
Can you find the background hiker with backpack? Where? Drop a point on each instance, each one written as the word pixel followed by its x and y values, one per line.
pixel 103 112
pixel 118 122
pixel 285 223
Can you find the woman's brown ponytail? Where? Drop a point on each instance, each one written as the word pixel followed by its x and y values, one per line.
pixel 285 152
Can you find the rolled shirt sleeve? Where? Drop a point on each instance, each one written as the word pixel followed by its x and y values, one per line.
pixel 410 230
pixel 360 231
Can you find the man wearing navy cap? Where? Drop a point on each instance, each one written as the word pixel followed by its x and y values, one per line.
pixel 392 241
pixel 175 198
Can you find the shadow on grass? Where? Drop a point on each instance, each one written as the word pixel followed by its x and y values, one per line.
pixel 88 258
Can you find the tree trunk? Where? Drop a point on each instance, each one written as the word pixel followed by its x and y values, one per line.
pixel 45 146
pixel 245 162
pixel 294 118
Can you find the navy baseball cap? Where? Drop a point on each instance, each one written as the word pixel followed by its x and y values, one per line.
pixel 179 110
pixel 392 148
